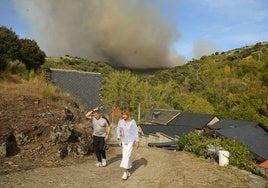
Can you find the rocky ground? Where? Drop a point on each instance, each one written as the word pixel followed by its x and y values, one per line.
pixel 42 145
pixel 36 129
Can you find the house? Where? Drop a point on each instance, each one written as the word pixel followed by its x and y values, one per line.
pixel 195 120
pixel 250 133
pixel 86 86
pixel 171 131
pixel 161 116
pixel 173 124
pixel 228 123
pixel 254 136
pixel 113 114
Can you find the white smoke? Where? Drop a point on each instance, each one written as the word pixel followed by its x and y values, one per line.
pixel 126 33
pixel 202 47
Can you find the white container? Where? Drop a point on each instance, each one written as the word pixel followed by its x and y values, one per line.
pixel 224 157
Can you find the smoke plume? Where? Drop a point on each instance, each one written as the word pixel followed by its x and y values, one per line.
pixel 202 47
pixel 124 33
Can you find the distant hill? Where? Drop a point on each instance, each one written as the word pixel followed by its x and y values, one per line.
pixel 231 84
pixel 77 63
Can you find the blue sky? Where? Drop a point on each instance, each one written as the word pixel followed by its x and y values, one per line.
pixel 226 24
pixel 218 25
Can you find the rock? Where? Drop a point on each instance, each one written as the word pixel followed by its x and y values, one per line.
pixel 61 133
pixel 21 137
pixel 72 143
pixel 69 116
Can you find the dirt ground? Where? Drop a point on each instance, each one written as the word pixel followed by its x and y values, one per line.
pixel 152 167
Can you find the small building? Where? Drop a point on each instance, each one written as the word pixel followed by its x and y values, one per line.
pixel 161 116
pixel 228 123
pixel 173 124
pixel 255 137
pixel 195 120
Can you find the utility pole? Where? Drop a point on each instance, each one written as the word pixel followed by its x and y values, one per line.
pixel 139 112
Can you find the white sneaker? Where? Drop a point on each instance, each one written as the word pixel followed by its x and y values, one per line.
pixel 98 164
pixel 125 176
pixel 128 174
pixel 103 162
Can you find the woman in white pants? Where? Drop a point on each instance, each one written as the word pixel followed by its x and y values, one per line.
pixel 127 134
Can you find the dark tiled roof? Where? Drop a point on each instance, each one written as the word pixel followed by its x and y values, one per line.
pixel 85 86
pixel 228 123
pixel 165 145
pixel 253 136
pixel 195 120
pixel 171 131
pixel 161 116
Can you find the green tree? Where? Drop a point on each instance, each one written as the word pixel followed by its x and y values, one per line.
pixel 31 55
pixel 118 89
pixel 126 90
pixel 9 46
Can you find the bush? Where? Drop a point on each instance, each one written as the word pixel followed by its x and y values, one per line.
pixel 195 142
pixel 17 67
pixel 48 91
pixel 240 154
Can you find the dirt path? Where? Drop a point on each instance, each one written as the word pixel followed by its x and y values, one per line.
pixel 152 167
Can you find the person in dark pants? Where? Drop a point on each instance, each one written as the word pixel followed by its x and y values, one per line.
pixel 101 132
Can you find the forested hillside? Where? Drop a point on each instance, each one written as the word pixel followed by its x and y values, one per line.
pixel 232 84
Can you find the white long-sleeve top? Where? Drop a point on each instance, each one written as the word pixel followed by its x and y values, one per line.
pixel 127 131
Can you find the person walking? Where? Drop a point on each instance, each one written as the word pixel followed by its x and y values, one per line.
pixel 127 134
pixel 101 132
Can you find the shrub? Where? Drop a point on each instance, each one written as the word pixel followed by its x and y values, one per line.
pixel 195 142
pixel 17 67
pixel 240 154
pixel 48 91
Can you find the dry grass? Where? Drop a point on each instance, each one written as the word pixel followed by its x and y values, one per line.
pixel 25 108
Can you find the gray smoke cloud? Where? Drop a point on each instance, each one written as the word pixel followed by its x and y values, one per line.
pixel 202 47
pixel 125 33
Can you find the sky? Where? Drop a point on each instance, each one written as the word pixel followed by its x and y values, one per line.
pixel 137 33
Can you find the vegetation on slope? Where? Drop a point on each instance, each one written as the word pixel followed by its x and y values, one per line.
pixel 231 85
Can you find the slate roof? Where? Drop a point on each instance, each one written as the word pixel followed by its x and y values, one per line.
pixel 86 86
pixel 161 116
pixel 172 131
pixel 195 120
pixel 228 123
pixel 253 136
pixel 164 145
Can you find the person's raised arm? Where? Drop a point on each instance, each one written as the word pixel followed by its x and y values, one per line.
pixel 88 115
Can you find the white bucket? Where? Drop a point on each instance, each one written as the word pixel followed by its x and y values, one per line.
pixel 224 158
